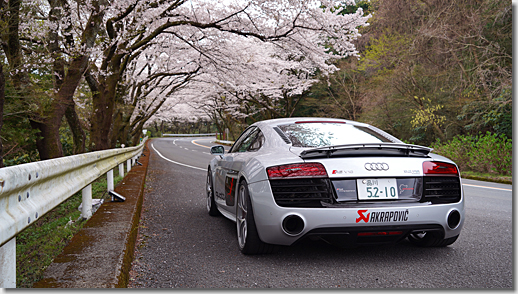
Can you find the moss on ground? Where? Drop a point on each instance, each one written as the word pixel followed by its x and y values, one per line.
pixel 40 243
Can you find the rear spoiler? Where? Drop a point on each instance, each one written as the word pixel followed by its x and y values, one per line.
pixel 369 149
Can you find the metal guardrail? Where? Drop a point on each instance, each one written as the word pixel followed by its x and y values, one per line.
pixel 28 191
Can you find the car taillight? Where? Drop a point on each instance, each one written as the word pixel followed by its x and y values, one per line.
pixel 439 168
pixel 300 170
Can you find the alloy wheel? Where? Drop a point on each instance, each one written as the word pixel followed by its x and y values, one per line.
pixel 241 213
pixel 209 192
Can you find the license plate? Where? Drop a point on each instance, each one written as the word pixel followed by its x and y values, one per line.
pixel 377 189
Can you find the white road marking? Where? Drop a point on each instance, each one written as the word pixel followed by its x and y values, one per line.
pixel 182 164
pixel 495 188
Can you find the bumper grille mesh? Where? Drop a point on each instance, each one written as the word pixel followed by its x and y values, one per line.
pixel 441 189
pixel 301 192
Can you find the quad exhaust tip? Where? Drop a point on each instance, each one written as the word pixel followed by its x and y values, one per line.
pixel 453 219
pixel 293 225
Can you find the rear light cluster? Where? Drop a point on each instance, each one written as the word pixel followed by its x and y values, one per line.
pixel 302 170
pixel 441 183
pixel 431 168
pixel 300 185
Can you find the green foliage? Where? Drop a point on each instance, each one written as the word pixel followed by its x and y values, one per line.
pixel 419 134
pixel 67 139
pixel 488 153
pixel 494 115
pixel 385 52
pixel 426 115
pixel 350 9
pixel 18 138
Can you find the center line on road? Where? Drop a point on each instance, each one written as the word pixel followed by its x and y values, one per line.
pixel 186 165
pixel 504 189
pixel 194 142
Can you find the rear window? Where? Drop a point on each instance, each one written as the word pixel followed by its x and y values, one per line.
pixel 321 134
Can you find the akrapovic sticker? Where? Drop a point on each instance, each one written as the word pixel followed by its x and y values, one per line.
pixel 381 216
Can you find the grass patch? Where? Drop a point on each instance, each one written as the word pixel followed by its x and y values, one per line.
pixel 40 243
pixel 487 177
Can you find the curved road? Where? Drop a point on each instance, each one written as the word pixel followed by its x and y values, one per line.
pixel 181 246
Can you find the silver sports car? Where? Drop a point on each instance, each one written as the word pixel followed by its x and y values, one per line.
pixel 345 182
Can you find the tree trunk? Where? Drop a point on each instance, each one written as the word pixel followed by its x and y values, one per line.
pixel 2 99
pixel 49 134
pixel 118 129
pixel 103 101
pixel 103 107
pixel 48 143
pixel 136 137
pixel 102 119
pixel 78 133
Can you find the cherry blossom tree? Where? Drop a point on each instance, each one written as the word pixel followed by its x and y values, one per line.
pixel 151 79
pixel 135 27
pixel 135 55
pixel 266 76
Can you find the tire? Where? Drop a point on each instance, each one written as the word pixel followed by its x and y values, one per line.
pixel 247 236
pixel 430 239
pixel 211 203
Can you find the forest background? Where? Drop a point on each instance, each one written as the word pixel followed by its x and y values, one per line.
pixel 430 72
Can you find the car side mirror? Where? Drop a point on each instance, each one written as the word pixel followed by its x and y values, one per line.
pixel 217 150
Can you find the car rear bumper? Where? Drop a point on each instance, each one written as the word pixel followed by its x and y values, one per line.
pixel 377 222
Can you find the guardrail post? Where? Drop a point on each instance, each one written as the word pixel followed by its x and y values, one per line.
pixel 109 179
pixel 121 169
pixel 8 264
pixel 86 210
pixel 128 163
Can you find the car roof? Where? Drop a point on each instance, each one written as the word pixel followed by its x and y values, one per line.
pixel 291 120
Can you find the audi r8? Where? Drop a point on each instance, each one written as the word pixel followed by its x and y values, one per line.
pixel 345 182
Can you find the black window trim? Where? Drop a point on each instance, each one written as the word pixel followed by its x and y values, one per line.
pixel 240 139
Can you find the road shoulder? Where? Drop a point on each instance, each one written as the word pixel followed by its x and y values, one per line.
pixel 99 256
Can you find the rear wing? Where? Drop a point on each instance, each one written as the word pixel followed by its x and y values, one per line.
pixel 368 149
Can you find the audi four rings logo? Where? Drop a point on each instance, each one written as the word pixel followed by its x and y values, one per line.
pixel 373 166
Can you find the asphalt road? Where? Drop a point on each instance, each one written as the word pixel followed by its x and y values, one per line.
pixel 181 246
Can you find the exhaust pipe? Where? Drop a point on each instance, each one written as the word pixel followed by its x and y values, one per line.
pixel 293 225
pixel 453 219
